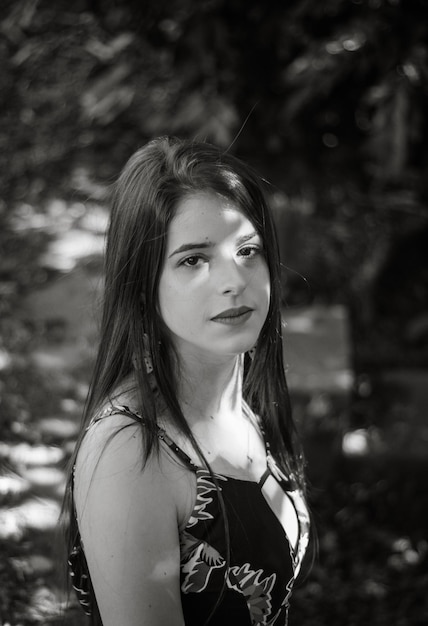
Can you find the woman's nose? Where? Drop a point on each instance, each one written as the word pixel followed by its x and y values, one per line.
pixel 231 279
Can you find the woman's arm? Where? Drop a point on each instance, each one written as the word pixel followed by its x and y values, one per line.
pixel 128 519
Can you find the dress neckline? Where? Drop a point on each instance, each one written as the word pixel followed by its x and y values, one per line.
pixel 272 468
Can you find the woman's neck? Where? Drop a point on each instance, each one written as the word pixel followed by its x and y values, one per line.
pixel 211 401
pixel 211 392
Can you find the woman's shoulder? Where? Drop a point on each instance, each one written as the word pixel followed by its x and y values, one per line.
pixel 115 418
pixel 111 438
pixel 115 412
pixel 111 443
pixel 113 451
pixel 127 505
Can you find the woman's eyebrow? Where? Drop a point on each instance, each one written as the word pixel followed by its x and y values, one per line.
pixel 245 238
pixel 185 247
pixel 191 246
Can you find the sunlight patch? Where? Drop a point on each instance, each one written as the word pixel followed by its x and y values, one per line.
pixel 13 485
pixel 25 454
pixel 32 565
pixel 10 529
pixel 356 443
pixel 55 427
pixel 45 476
pixel 64 252
pixel 35 514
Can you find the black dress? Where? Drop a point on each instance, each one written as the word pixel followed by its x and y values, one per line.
pixel 268 532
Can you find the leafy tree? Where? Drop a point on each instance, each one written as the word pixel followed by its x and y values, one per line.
pixel 327 99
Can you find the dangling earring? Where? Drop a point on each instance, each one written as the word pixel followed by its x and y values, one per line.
pixel 147 357
pixel 147 354
pixel 252 352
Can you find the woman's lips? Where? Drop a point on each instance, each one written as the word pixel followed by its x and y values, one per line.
pixel 233 317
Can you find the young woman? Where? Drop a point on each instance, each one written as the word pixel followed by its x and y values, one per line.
pixel 186 497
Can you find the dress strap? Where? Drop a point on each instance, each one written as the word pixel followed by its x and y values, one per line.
pixel 160 432
pixel 273 467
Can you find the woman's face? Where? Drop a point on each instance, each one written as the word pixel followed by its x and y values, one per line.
pixel 214 289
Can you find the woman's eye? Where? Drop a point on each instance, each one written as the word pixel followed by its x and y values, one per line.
pixel 249 251
pixel 192 261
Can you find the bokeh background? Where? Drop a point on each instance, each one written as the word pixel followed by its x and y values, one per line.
pixel 328 100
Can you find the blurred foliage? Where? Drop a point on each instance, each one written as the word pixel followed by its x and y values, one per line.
pixel 369 570
pixel 326 99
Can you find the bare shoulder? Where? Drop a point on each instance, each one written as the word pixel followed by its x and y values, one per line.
pixel 111 444
pixel 128 511
pixel 112 441
pixel 112 452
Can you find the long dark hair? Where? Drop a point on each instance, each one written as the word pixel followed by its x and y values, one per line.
pixel 144 201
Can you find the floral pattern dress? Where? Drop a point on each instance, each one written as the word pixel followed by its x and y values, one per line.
pixel 264 562
pixel 242 573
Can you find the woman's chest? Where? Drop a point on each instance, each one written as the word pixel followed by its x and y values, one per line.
pixel 241 536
